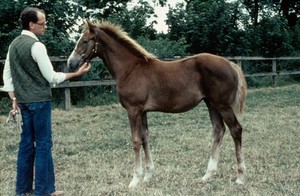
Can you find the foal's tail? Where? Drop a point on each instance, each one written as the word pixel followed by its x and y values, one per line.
pixel 241 92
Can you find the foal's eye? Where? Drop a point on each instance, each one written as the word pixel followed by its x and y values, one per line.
pixel 85 41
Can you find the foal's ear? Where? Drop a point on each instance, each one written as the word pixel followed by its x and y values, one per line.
pixel 85 23
pixel 90 26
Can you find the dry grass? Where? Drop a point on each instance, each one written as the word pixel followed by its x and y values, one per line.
pixel 93 155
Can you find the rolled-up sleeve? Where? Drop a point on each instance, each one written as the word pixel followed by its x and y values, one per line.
pixel 39 54
pixel 7 79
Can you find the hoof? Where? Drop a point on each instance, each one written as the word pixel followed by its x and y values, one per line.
pixel 207 176
pixel 147 177
pixel 240 180
pixel 133 184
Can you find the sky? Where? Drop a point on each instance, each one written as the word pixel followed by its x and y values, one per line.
pixel 161 13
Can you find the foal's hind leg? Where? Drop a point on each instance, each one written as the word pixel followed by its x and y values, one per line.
pixel 236 133
pixel 218 133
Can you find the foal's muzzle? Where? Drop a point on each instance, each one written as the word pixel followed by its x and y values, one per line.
pixel 75 61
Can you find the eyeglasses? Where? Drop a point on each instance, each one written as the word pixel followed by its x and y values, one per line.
pixel 42 24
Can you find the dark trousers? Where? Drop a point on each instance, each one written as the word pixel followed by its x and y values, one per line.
pixel 35 150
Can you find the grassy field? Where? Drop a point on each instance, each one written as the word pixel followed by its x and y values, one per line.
pixel 93 154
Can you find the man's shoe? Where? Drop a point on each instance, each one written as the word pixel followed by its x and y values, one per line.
pixel 25 194
pixel 57 193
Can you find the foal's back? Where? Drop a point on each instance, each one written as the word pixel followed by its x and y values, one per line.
pixel 177 86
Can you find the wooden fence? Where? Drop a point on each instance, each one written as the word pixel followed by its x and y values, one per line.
pixel 62 62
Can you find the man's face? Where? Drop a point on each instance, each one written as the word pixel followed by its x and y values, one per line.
pixel 40 26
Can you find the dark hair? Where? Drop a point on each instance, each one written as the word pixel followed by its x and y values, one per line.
pixel 29 14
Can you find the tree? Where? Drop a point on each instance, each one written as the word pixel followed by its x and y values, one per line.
pixel 60 16
pixel 101 9
pixel 268 33
pixel 253 7
pixel 8 28
pixel 163 47
pixel 290 9
pixel 176 21
pixel 273 42
pixel 208 26
pixel 135 20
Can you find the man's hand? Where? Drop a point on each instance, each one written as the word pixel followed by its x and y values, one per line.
pixel 83 69
pixel 15 107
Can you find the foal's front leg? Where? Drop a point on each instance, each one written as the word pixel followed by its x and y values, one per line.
pixel 148 157
pixel 135 119
pixel 139 131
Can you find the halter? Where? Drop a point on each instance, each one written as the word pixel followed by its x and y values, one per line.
pixel 94 50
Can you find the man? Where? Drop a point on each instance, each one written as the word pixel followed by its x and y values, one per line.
pixel 27 75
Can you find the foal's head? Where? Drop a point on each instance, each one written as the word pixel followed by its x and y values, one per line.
pixel 86 48
pixel 95 36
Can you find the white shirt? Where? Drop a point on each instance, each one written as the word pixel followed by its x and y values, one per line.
pixel 39 54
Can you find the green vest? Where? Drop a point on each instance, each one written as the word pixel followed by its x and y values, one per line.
pixel 29 83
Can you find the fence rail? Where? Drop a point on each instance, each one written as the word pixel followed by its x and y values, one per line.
pixel 274 73
pixel 62 62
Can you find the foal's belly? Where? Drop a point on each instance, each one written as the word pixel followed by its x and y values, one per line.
pixel 174 103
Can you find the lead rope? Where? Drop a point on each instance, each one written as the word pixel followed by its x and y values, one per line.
pixel 15 120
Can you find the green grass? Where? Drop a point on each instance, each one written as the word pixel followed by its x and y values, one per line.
pixel 93 153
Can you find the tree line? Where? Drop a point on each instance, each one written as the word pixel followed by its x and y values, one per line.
pixel 229 28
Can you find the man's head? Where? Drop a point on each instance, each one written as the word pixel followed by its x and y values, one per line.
pixel 34 20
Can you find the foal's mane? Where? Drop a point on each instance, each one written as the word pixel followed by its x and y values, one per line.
pixel 116 32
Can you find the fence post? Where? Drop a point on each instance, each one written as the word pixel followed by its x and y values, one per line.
pixel 67 91
pixel 274 71
pixel 239 62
